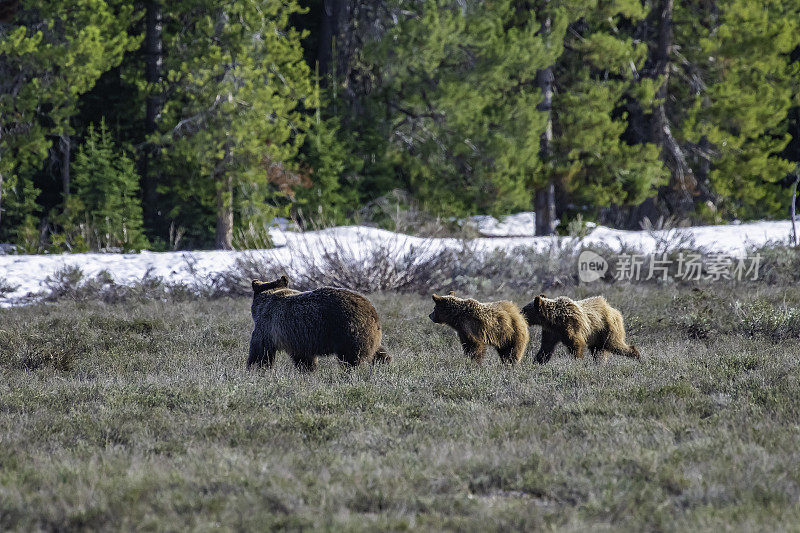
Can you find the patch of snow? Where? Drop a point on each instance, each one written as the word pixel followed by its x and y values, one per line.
pixel 28 272
pixel 283 224
pixel 278 237
pixel 517 225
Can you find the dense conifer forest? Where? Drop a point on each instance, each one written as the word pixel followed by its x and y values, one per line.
pixel 125 124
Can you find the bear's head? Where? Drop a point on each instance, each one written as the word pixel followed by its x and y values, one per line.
pixel 534 311
pixel 266 286
pixel 445 308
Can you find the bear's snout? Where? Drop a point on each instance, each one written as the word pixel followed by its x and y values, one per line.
pixel 433 317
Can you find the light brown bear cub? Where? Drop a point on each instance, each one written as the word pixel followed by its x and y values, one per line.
pixel 578 324
pixel 309 324
pixel 498 324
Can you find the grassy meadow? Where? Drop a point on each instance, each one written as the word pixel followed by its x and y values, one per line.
pixel 141 415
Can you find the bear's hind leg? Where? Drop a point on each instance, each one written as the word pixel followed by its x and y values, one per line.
pixel 507 355
pixel 511 354
pixel 599 354
pixel 629 351
pixel 622 348
pixel 382 356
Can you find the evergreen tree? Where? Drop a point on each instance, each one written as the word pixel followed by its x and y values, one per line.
pixel 724 87
pixel 236 113
pixel 460 87
pixel 51 52
pixel 740 116
pixel 597 78
pixel 242 110
pixel 105 208
pixel 332 173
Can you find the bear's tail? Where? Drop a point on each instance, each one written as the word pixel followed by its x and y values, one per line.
pixel 381 356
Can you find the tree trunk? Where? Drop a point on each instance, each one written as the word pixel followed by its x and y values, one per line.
pixel 224 183
pixel 328 30
pixel 545 206
pixel 224 239
pixel 544 201
pixel 153 105
pixel 1 200
pixel 793 210
pixel 65 146
pixel 682 180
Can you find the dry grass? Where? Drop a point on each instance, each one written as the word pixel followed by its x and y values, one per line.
pixel 141 415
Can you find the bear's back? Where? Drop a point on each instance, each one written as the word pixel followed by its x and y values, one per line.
pixel 597 311
pixel 325 320
pixel 323 304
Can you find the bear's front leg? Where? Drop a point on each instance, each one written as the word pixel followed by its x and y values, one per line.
pixel 473 348
pixel 576 348
pixel 305 362
pixel 476 352
pixel 261 353
pixel 549 343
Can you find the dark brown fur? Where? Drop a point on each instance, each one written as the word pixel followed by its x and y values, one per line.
pixel 578 324
pixel 324 321
pixel 498 324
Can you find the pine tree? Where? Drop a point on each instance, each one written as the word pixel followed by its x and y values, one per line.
pixel 724 78
pixel 332 172
pixel 742 114
pixel 598 78
pixel 105 206
pixel 239 91
pixel 51 52
pixel 461 90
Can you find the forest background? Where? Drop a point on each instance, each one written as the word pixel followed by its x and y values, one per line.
pixel 187 124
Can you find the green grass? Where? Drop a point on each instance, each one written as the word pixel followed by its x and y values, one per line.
pixel 142 416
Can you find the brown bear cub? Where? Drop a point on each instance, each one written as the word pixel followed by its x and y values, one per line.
pixel 578 324
pixel 309 324
pixel 498 324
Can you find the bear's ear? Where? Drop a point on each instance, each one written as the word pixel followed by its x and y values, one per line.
pixel 436 297
pixel 451 293
pixel 542 295
pixel 283 281
pixel 258 286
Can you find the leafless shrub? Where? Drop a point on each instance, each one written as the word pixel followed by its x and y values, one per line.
pixel 358 262
pixel 252 238
pixel 670 234
pixel 368 262
pixel 175 235
pixel 70 283
pixel 64 283
pixel 362 262
pixel 6 287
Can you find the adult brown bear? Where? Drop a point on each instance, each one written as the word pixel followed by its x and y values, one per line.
pixel 325 321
